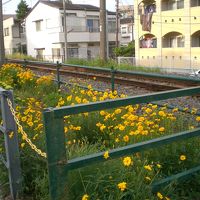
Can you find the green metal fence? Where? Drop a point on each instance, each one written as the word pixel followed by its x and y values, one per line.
pixel 58 163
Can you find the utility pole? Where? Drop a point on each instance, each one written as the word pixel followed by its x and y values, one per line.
pixel 2 50
pixel 65 31
pixel 103 40
pixel 117 23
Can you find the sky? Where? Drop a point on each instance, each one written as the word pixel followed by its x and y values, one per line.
pixel 11 6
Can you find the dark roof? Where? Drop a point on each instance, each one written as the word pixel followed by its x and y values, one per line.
pixel 59 5
pixel 8 16
pixel 126 20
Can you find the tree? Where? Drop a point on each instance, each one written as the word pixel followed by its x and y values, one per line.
pixel 126 51
pixel 22 10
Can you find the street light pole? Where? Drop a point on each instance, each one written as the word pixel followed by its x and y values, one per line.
pixel 65 31
pixel 117 23
pixel 2 50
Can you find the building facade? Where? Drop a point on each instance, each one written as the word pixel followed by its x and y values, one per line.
pixel 126 24
pixel 45 30
pixel 14 39
pixel 167 33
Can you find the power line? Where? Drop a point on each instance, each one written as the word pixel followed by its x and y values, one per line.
pixel 6 2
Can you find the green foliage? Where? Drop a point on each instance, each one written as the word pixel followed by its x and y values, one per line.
pixel 20 56
pixel 126 51
pixel 110 63
pixel 22 10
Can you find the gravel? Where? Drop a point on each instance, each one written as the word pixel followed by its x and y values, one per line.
pixel 181 102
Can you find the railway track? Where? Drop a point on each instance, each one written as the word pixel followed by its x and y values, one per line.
pixel 152 82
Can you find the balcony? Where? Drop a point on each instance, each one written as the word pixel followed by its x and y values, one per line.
pixel 195 38
pixel 148 41
pixel 173 40
pixel 195 3
pixel 172 5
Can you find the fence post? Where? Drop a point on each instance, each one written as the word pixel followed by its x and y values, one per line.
pixel 11 146
pixel 58 65
pixel 112 78
pixel 56 155
pixel 25 63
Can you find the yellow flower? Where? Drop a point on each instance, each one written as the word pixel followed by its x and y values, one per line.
pixel 102 113
pixel 85 197
pixel 78 100
pixel 175 110
pixel 126 138
pixel 121 127
pixel 22 145
pixel 182 157
pixel 106 155
pixel 159 195
pixel 162 113
pixel 122 186
pixel 24 118
pixel 148 178
pixel 148 110
pixel 102 127
pixel 69 98
pixel 198 118
pixel 148 167
pixel 161 129
pixel 11 134
pixel 30 124
pixel 89 87
pixel 127 161
pixel 118 111
pixel 159 166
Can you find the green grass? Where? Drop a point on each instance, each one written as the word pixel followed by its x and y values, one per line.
pixel 111 63
pixel 20 57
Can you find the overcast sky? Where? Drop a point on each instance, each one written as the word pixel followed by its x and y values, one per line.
pixel 10 7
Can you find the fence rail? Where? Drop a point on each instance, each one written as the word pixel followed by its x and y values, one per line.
pixel 12 158
pixel 58 163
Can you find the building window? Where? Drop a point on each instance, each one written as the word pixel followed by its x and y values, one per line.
pixel 40 54
pixel 111 26
pixel 124 30
pixel 93 25
pixel 72 52
pixel 71 14
pixel 56 52
pixel 38 25
pixel 6 31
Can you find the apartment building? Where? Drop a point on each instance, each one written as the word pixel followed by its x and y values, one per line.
pixel 126 24
pixel 14 39
pixel 167 33
pixel 45 35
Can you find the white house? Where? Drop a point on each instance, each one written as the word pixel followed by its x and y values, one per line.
pixel 45 36
pixel 14 39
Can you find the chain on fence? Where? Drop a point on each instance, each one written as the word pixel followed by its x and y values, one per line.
pixel 24 134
